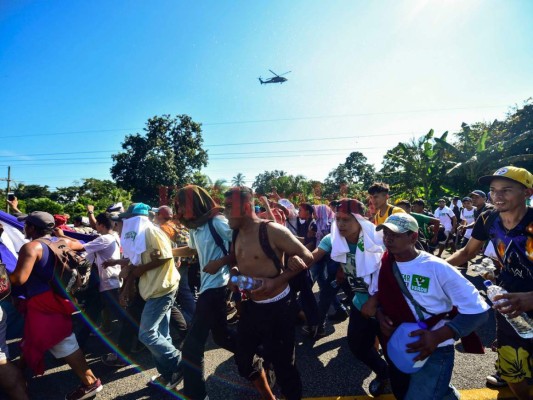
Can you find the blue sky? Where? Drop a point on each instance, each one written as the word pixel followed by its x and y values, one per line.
pixel 76 77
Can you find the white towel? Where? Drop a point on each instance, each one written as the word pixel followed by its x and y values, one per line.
pixel 367 262
pixel 133 238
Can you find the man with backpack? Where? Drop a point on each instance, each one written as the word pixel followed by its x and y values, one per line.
pixel 509 226
pixel 48 324
pixel 268 314
pixel 379 194
pixel 209 240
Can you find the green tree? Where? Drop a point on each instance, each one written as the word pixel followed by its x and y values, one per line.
pixel 264 182
pixel 355 173
pixel 482 147
pixel 416 168
pixel 65 195
pixel 293 187
pixel 44 204
pixel 238 180
pixel 167 154
pixel 217 190
pixel 24 192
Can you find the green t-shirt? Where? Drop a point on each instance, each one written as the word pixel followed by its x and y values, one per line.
pixel 423 223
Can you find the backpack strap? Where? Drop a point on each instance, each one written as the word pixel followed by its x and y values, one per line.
pixel 234 239
pixel 265 245
pixel 417 306
pixel 389 211
pixel 218 239
pixel 55 247
pixel 489 221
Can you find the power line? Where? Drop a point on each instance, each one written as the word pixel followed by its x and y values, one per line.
pixel 299 152
pixel 262 120
pixel 349 115
pixel 234 144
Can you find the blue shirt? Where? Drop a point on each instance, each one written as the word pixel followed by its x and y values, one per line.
pixel 203 242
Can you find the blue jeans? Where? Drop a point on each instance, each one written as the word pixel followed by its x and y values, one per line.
pixel 186 299
pixel 320 276
pixel 433 379
pixel 155 335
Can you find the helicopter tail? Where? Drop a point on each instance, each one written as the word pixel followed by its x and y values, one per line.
pixel 261 81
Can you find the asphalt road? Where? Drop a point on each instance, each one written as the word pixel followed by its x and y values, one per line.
pixel 327 368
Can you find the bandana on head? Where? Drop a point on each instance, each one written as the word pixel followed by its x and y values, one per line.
pixel 199 206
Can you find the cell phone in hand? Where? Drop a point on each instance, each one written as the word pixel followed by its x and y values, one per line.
pixel 11 196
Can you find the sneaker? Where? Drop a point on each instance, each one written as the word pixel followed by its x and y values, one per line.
pixel 377 386
pixel 177 377
pixel 85 392
pixel 138 347
pixel 495 380
pixel 157 380
pixel 113 360
pixel 339 316
pixel 314 331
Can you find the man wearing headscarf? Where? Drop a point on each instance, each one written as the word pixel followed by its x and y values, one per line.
pixel 209 238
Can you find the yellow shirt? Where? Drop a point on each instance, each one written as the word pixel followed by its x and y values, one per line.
pixel 381 219
pixel 161 280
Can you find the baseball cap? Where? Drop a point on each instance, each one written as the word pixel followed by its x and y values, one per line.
pixel 40 219
pixel 441 201
pixel 397 348
pixel 136 209
pixel 115 207
pixel 520 175
pixel 479 193
pixel 399 223
pixel 467 199
pixel 286 203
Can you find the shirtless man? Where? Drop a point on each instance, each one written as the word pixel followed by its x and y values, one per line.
pixel 267 317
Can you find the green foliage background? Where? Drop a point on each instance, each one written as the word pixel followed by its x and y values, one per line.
pixel 170 154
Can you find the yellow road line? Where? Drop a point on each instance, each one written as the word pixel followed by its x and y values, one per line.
pixel 466 394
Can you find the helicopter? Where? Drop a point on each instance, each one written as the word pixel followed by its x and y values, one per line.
pixel 275 79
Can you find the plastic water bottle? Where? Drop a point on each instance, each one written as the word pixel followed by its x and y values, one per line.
pixel 486 268
pixel 246 282
pixel 523 324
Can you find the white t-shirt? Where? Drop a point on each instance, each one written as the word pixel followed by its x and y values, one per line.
pixel 468 216
pixel 445 216
pixel 437 286
pixel 101 249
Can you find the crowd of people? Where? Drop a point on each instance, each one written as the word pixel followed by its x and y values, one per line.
pixel 168 277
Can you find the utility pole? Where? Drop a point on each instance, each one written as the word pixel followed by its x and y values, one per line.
pixel 8 185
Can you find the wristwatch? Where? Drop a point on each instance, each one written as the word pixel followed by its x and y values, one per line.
pixel 90 212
